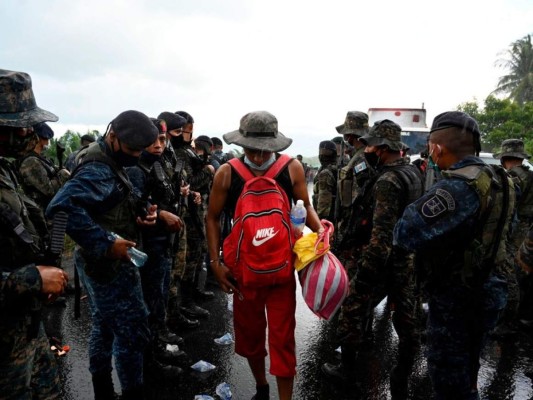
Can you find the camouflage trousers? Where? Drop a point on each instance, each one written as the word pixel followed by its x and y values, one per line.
pixel 119 324
pixel 29 372
pixel 365 294
pixel 458 322
pixel 176 272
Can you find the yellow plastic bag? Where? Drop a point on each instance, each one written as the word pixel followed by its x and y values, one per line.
pixel 311 246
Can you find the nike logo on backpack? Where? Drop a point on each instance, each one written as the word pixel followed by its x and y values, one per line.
pixel 263 235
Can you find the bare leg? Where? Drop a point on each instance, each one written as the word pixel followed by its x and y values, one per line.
pixel 257 365
pixel 285 385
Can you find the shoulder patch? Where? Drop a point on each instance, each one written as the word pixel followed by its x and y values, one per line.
pixel 437 206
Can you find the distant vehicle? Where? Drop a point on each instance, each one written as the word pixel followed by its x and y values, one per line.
pixel 488 158
pixel 412 120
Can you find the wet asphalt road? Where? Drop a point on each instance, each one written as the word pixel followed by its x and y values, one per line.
pixel 501 377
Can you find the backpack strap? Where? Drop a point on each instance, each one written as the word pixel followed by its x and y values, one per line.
pixel 272 172
pixel 278 166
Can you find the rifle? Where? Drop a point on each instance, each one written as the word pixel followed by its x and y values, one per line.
pixel 336 216
pixel 60 151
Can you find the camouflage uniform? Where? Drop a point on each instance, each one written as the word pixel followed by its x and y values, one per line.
pixel 456 228
pixel 381 268
pixel 325 182
pixel 27 368
pixel 519 284
pixel 40 178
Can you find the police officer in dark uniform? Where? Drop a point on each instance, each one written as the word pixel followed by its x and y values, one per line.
pixel 381 268
pixel 102 203
pixel 27 367
pixel 457 230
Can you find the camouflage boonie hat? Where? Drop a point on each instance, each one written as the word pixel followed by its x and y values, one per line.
pixel 258 130
pixel 356 123
pixel 512 148
pixel 385 132
pixel 18 108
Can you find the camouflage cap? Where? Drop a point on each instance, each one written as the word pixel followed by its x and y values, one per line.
pixel 512 148
pixel 355 123
pixel 385 132
pixel 134 129
pixel 17 103
pixel 258 130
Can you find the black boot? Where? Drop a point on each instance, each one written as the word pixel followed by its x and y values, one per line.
pixel 103 386
pixel 177 357
pixel 188 306
pixel 158 371
pixel 345 370
pixel 166 336
pixel 202 294
pixel 178 321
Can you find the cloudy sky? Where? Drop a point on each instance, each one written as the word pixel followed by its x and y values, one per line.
pixel 308 62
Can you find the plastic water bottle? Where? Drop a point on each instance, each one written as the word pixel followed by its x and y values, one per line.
pixel 298 216
pixel 202 276
pixel 138 258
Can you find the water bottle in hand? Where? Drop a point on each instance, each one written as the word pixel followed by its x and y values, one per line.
pixel 298 216
pixel 138 258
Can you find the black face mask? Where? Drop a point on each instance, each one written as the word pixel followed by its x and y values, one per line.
pixel 177 141
pixel 125 160
pixel 16 144
pixel 372 159
pixel 149 158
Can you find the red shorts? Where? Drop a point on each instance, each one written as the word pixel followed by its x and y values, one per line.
pixel 250 323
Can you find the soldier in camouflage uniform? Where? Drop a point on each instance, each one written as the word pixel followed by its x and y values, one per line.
pixel 325 182
pixel 156 186
pixel 520 285
pixel 382 269
pixel 101 203
pixel 40 178
pixel 28 369
pixel 458 231
pixel 355 125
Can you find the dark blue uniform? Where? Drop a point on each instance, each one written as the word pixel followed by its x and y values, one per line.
pixel 97 202
pixel 449 228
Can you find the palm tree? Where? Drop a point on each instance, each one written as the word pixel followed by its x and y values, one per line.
pixel 519 62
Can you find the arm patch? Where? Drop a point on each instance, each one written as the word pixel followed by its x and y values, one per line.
pixel 438 206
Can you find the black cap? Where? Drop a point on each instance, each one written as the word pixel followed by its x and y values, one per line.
pixel 134 129
pixel 216 141
pixel 188 117
pixel 328 145
pixel 204 142
pixel 43 130
pixel 174 121
pixel 455 119
pixel 87 138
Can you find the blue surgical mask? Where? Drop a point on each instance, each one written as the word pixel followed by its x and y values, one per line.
pixel 262 167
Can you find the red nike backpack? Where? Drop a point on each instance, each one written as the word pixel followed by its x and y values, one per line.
pixel 258 250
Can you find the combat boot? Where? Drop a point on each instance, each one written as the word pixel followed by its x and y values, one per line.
pixel 188 306
pixel 176 357
pixel 103 386
pixel 157 371
pixel 202 294
pixel 178 321
pixel 262 392
pixel 345 370
pixel 166 336
pixel 135 393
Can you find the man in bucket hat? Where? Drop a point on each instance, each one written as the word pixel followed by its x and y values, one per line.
pixel 355 125
pixel 27 367
pixel 380 268
pixel 104 212
pixel 458 230
pixel 519 305
pixel 260 139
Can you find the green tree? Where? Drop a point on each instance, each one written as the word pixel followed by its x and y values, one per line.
pixel 70 140
pixel 518 83
pixel 502 119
